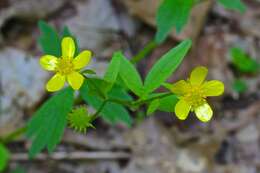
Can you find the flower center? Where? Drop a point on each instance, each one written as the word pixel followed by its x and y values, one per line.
pixel 195 97
pixel 65 66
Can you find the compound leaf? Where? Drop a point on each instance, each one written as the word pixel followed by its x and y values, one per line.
pixel 49 40
pixel 47 125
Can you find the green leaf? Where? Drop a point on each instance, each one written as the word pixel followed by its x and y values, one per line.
pixel 172 13
pixel 239 86
pixel 165 66
pixel 4 157
pixel 167 104
pixel 118 114
pixel 130 75
pixel 112 112
pixel 113 69
pixel 121 83
pixel 243 62
pixel 153 106
pixel 47 125
pixel 233 5
pixel 97 87
pixel 66 33
pixel 118 92
pixel 49 40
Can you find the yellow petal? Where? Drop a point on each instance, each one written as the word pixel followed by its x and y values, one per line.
pixel 82 59
pixel 182 109
pixel 204 112
pixel 75 80
pixel 180 87
pixel 48 62
pixel 198 75
pixel 55 83
pixel 213 88
pixel 68 47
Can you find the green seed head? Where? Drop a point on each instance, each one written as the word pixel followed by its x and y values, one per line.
pixel 79 119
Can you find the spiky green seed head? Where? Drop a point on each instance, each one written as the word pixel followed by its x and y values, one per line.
pixel 79 119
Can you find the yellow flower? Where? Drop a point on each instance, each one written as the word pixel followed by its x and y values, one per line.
pixel 193 94
pixel 66 67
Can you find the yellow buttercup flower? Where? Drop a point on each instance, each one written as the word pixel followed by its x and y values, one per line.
pixel 193 93
pixel 66 67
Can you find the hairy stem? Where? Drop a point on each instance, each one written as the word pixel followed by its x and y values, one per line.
pixel 141 102
pixel 144 52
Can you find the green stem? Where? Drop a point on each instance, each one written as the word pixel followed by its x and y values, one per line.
pixel 136 104
pixel 141 102
pixel 13 135
pixel 145 51
pixel 78 100
pixel 122 102
pixel 95 116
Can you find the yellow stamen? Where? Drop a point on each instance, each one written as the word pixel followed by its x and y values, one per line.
pixel 65 66
pixel 195 97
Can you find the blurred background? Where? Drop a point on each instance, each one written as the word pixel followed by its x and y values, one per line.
pixel 157 144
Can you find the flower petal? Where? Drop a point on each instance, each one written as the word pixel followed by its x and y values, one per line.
pixel 82 59
pixel 198 75
pixel 204 112
pixel 213 88
pixel 182 109
pixel 55 83
pixel 75 80
pixel 68 47
pixel 48 62
pixel 179 88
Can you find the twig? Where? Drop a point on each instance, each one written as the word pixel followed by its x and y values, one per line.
pixel 79 155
